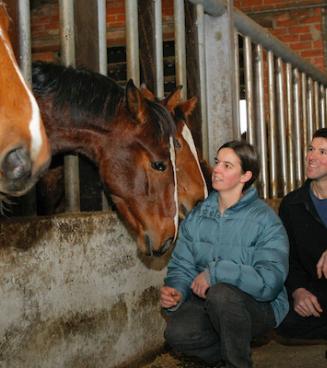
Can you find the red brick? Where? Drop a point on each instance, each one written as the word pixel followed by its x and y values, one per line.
pixel 309 53
pixel 301 45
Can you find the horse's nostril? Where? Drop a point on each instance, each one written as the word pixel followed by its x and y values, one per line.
pixel 17 164
pixel 164 248
pixel 147 241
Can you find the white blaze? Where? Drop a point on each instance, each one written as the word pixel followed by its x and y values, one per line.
pixel 35 122
pixel 186 133
pixel 173 161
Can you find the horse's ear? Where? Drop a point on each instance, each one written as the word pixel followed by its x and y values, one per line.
pixel 146 92
pixel 135 101
pixel 173 99
pixel 188 106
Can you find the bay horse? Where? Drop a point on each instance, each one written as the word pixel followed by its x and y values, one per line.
pixel 128 137
pixel 191 183
pixel 24 147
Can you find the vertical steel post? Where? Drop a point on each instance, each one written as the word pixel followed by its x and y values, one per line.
pixel 322 107
pixel 272 126
pixel 316 105
pixel 220 76
pixel 132 41
pixel 289 129
pixel 282 125
pixel 237 124
pixel 203 84
pixel 158 56
pixel 306 138
pixel 261 129
pixel 180 48
pixel 310 109
pixel 103 59
pixel 249 91
pixel 71 165
pixel 297 130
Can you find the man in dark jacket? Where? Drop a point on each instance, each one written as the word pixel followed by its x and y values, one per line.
pixel 304 214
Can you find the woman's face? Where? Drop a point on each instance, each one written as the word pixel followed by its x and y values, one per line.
pixel 227 173
pixel 317 159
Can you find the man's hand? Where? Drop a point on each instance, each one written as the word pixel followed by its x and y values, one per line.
pixel 169 297
pixel 305 303
pixel 200 285
pixel 322 266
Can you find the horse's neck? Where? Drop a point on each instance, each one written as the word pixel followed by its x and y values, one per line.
pixel 84 141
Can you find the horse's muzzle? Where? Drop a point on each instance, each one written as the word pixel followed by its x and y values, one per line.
pixel 17 165
pixel 157 253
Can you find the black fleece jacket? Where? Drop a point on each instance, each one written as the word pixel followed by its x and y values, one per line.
pixel 308 240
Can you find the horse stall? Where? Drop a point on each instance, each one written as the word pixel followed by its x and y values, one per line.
pixel 76 290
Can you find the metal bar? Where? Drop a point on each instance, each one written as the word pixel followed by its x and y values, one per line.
pixel 316 105
pixel 262 134
pixel 282 125
pixel 180 48
pixel 289 130
pixel 322 107
pixel 158 55
pixel 203 83
pixel 71 164
pixel 103 63
pixel 102 24
pixel 306 137
pixel 25 55
pixel 310 109
pixel 67 37
pixel 297 131
pixel 325 110
pixel 132 41
pixel 260 35
pixel 249 93
pixel 272 127
pixel 237 124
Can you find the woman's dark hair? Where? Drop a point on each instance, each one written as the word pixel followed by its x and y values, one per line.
pixel 320 133
pixel 248 157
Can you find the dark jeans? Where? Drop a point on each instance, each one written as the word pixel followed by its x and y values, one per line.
pixel 220 327
pixel 295 326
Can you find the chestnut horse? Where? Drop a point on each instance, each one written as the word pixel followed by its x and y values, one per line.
pixel 24 148
pixel 191 184
pixel 129 138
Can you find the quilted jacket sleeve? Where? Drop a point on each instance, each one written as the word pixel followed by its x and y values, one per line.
pixel 264 278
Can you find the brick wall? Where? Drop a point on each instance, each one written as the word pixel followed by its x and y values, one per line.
pixel 300 29
pixel 298 24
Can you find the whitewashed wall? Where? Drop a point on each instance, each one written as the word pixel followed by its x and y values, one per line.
pixel 74 293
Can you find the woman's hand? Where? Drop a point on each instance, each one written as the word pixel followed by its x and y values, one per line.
pixel 169 297
pixel 305 303
pixel 200 285
pixel 322 266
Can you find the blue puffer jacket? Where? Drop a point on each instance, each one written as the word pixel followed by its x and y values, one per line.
pixel 246 247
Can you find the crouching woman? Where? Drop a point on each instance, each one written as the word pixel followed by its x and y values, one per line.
pixel 225 279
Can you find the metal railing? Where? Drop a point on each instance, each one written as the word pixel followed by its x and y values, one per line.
pixel 285 98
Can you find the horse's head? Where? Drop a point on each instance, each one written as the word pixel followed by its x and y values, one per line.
pixel 190 181
pixel 139 171
pixel 24 148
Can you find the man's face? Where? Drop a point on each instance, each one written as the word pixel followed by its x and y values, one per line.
pixel 317 159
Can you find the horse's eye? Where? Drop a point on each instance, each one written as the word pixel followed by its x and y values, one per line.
pixel 158 165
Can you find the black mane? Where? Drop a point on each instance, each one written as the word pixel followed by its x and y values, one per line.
pixel 89 94
pixel 84 91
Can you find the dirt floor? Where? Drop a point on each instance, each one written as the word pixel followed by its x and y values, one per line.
pixel 270 355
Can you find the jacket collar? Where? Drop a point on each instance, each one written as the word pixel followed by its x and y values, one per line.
pixel 302 195
pixel 249 196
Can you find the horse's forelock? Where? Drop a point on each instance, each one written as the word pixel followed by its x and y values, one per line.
pixel 161 116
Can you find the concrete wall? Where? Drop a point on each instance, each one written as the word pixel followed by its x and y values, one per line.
pixel 74 293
